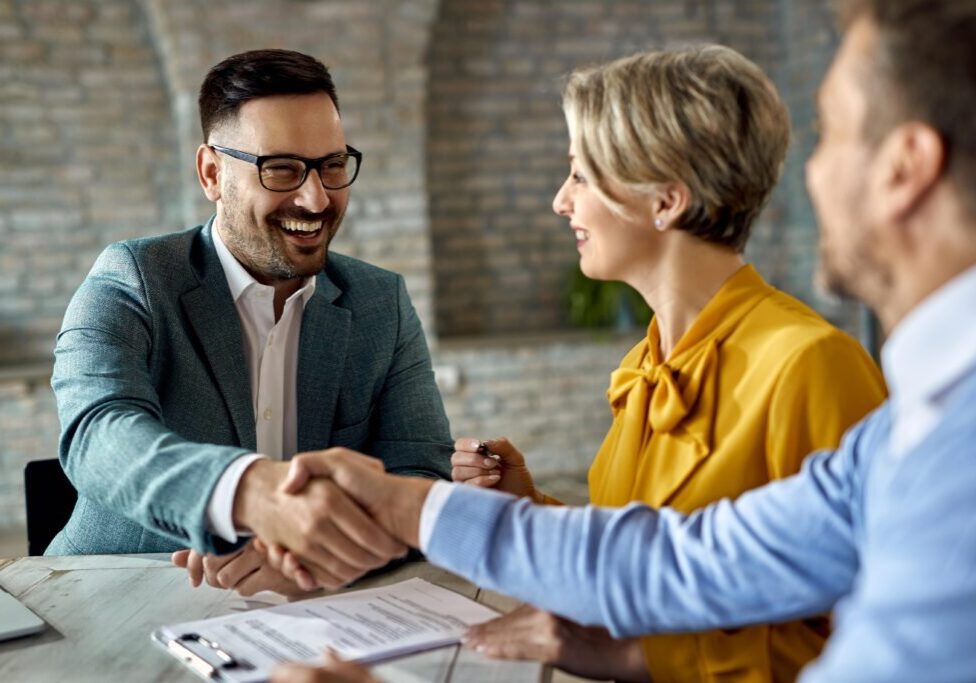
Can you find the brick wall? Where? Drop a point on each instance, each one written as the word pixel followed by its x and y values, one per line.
pixel 87 148
pixel 98 125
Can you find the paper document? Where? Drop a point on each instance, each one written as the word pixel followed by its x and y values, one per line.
pixel 366 625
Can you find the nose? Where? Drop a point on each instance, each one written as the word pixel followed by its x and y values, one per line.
pixel 561 203
pixel 312 196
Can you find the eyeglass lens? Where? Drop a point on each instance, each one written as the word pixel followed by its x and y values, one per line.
pixel 282 173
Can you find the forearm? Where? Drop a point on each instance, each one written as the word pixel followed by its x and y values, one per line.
pixel 636 570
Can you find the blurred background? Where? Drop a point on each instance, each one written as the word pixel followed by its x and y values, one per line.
pixel 455 104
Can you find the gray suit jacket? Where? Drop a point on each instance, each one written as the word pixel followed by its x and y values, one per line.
pixel 155 402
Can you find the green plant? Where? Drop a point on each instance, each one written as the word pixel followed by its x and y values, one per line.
pixel 604 303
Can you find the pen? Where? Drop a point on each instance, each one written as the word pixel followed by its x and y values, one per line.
pixel 483 450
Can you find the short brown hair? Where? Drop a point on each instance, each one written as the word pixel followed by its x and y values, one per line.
pixel 259 73
pixel 705 116
pixel 924 69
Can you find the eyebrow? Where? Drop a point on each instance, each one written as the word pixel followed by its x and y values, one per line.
pixel 295 154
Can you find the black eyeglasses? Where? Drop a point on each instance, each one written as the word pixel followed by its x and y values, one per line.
pixel 287 172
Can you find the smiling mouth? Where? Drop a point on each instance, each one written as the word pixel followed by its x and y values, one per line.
pixel 301 228
pixel 581 234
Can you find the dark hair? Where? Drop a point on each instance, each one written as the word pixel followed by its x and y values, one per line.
pixel 259 73
pixel 924 69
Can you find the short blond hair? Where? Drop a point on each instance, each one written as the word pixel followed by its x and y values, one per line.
pixel 705 116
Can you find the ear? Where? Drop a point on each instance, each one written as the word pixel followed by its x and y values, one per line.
pixel 668 202
pixel 911 161
pixel 208 172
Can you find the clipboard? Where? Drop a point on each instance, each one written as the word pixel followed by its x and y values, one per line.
pixel 206 658
pixel 367 626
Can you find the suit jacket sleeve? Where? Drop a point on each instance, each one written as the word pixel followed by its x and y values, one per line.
pixel 115 447
pixel 779 552
pixel 411 433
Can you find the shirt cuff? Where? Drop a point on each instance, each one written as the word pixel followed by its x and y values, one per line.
pixel 436 499
pixel 220 509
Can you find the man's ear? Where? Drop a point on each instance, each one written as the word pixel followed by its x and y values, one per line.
pixel 668 202
pixel 910 161
pixel 208 172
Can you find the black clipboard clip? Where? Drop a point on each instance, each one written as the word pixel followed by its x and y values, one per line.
pixel 205 657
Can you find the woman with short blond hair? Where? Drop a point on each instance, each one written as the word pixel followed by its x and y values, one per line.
pixel 672 157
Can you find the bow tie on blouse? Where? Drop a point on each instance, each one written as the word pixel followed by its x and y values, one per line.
pixel 662 395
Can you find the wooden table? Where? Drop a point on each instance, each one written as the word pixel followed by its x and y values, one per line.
pixel 100 610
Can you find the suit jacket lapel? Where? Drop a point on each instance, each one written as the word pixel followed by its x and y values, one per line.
pixel 210 310
pixel 322 347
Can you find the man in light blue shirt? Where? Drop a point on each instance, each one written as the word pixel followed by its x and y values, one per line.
pixel 881 530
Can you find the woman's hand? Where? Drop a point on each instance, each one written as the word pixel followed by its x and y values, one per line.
pixel 332 670
pixel 527 633
pixel 472 463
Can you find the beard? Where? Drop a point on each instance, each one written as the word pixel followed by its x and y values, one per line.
pixel 854 273
pixel 262 248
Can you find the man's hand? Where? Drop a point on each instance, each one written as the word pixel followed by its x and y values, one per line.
pixel 245 571
pixel 329 531
pixel 471 465
pixel 332 670
pixel 393 502
pixel 527 633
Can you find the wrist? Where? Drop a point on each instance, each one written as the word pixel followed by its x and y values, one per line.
pixel 254 490
pixel 630 664
pixel 404 515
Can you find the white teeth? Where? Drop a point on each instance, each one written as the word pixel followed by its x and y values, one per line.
pixel 582 234
pixel 301 226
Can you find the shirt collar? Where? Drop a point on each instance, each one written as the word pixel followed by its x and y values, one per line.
pixel 239 280
pixel 935 344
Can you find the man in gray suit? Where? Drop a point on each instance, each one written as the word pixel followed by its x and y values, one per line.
pixel 189 366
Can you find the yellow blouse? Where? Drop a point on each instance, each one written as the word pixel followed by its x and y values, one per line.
pixel 757 383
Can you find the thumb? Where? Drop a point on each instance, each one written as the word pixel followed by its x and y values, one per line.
pixel 508 453
pixel 302 468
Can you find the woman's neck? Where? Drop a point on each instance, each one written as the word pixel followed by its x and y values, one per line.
pixel 689 272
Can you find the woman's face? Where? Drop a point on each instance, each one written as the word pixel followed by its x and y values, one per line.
pixel 611 246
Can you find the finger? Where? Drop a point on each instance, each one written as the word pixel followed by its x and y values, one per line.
pixel 464 474
pixel 294 570
pixel 257 581
pixel 467 444
pixel 508 453
pixel 297 673
pixel 523 614
pixel 367 542
pixel 331 556
pixel 472 460
pixel 180 557
pixel 212 564
pixel 194 567
pixel 325 576
pixel 487 481
pixel 275 555
pixel 243 565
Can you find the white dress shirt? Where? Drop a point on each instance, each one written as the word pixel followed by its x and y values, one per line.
pixel 926 357
pixel 271 352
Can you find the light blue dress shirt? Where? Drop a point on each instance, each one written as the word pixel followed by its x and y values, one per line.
pixel 882 530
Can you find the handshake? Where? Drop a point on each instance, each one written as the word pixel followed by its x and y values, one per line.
pixel 323 519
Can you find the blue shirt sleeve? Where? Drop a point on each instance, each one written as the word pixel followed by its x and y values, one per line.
pixel 776 553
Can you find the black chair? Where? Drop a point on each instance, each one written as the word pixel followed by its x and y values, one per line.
pixel 50 498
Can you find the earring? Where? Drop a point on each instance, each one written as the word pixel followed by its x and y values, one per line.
pixel 659 223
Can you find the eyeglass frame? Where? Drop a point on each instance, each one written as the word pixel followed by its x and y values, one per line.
pixel 310 164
